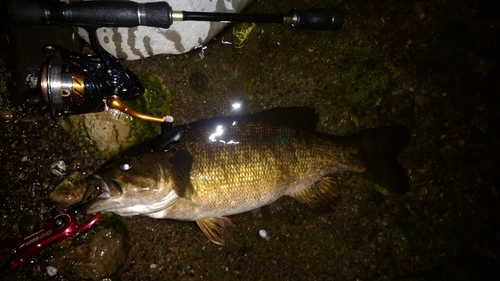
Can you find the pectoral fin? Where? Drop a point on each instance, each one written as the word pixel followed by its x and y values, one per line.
pixel 181 163
pixel 214 228
pixel 321 197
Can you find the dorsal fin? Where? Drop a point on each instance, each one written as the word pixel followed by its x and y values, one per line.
pixel 297 117
pixel 181 163
pixel 322 197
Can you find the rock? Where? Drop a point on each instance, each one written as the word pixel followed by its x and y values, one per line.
pixel 99 258
pixel 70 191
pixel 143 41
pixel 103 133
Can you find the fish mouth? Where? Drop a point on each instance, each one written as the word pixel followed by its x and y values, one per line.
pixel 99 189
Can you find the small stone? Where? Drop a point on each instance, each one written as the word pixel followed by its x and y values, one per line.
pixel 7 115
pixel 58 168
pixel 152 266
pixel 198 82
pixel 420 100
pixel 51 271
pixel 263 234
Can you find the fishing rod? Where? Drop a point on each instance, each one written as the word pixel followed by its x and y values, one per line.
pixel 155 14
pixel 80 83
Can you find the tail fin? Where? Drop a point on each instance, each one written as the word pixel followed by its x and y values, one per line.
pixel 380 148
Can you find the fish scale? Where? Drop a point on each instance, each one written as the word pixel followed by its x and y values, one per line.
pixel 258 169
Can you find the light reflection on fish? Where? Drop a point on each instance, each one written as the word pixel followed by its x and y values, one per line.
pixel 230 165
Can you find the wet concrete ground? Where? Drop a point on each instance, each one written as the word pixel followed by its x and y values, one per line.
pixel 431 66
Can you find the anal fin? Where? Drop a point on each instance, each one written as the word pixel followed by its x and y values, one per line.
pixel 321 197
pixel 214 228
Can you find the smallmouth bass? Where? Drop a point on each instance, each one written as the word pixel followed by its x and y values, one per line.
pixel 229 165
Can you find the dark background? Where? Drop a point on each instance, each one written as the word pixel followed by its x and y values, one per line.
pixel 431 65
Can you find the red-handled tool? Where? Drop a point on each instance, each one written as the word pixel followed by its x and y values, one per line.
pixel 26 247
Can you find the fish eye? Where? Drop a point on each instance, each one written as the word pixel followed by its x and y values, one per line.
pixel 125 167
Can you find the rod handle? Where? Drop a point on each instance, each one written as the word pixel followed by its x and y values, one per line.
pixel 99 13
pixel 318 19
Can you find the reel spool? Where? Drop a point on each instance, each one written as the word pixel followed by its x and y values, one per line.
pixel 70 87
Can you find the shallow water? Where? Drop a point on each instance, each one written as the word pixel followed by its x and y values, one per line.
pixel 431 66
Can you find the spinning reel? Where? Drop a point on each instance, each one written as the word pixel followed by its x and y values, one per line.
pixel 79 83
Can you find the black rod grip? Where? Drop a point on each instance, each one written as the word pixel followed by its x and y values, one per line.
pixel 24 11
pixel 99 13
pixel 319 19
